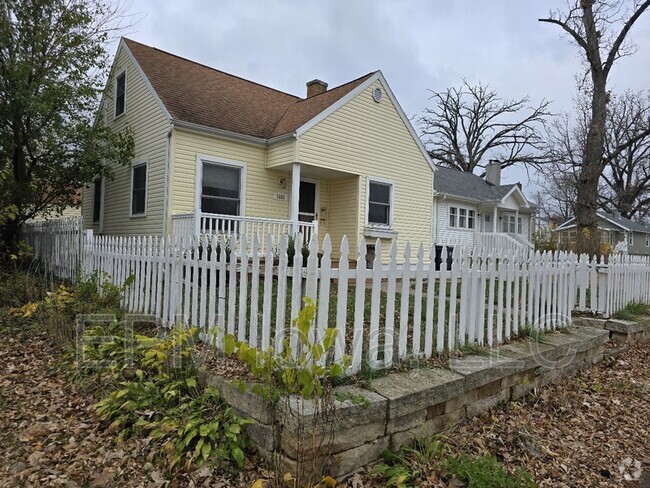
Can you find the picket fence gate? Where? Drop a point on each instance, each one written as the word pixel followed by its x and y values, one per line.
pixel 406 307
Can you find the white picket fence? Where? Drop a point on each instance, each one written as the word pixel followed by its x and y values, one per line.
pixel 57 244
pixel 404 307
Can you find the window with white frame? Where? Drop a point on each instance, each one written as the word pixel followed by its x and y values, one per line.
pixel 462 218
pixel 509 224
pixel 221 188
pixel 453 216
pixel 379 203
pixel 120 94
pixel 630 238
pixel 647 240
pixel 520 225
pixel 139 188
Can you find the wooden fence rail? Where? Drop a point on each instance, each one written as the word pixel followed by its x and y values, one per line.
pixel 384 311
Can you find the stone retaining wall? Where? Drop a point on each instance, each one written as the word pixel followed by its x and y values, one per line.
pixel 423 401
pixel 626 331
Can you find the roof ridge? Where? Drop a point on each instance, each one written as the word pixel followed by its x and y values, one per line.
pixel 337 87
pixel 298 99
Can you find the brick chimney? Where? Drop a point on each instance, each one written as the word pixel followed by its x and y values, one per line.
pixel 493 172
pixel 316 87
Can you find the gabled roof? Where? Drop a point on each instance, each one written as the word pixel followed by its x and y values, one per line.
pixel 468 186
pixel 616 220
pixel 204 96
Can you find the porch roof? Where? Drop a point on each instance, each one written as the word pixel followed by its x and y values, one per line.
pixel 468 186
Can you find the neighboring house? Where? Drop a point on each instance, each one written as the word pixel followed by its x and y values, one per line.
pixel 71 211
pixel 615 230
pixel 481 212
pixel 215 152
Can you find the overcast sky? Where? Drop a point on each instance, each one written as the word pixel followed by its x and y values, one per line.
pixel 418 45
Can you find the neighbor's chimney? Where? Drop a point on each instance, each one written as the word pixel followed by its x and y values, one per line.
pixel 316 87
pixel 493 172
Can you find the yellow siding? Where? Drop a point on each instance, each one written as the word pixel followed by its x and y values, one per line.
pixel 261 186
pixel 370 139
pixel 342 211
pixel 149 124
pixel 281 153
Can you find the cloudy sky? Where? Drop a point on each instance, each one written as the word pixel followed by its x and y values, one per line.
pixel 418 45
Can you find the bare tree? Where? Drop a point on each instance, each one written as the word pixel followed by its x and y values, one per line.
pixel 469 125
pixel 624 186
pixel 556 200
pixel 627 175
pixel 600 29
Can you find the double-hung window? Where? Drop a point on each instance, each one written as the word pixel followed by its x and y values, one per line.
pixel 453 216
pixel 520 225
pixel 221 189
pixel 630 238
pixel 461 218
pixel 509 224
pixel 120 94
pixel 647 240
pixel 380 203
pixel 139 189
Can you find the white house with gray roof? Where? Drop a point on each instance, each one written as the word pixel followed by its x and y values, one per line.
pixel 481 211
pixel 621 233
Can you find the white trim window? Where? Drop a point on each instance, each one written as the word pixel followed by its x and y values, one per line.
pixel 120 94
pixel 380 203
pixel 453 216
pixel 462 218
pixel 221 188
pixel 139 189
pixel 630 238
pixel 509 224
pixel 471 219
pixel 97 200
pixel 520 225
pixel 647 240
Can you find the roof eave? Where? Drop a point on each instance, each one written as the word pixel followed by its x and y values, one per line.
pixel 203 129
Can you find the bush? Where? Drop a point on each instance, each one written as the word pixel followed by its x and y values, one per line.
pixel 164 401
pixel 632 311
pixel 429 459
pixel 486 472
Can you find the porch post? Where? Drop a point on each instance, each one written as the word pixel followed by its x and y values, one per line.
pixel 495 219
pixel 295 195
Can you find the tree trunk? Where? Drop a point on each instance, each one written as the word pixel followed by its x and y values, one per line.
pixel 588 237
pixel 10 230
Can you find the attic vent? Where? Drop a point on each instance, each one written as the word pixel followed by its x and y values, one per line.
pixel 377 95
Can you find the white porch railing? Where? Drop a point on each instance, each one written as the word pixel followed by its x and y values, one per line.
pixel 499 240
pixel 524 242
pixel 238 226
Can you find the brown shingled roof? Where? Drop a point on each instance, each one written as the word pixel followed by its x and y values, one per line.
pixel 201 95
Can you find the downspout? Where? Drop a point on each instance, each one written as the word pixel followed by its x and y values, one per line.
pixel 166 178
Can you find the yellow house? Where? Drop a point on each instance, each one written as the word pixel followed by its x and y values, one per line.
pixel 217 153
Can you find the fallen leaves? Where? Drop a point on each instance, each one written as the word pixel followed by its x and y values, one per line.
pixel 591 429
pixel 49 435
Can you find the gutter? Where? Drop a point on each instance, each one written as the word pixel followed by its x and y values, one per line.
pixel 257 141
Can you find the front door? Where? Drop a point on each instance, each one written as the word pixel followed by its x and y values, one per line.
pixel 487 223
pixel 307 202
